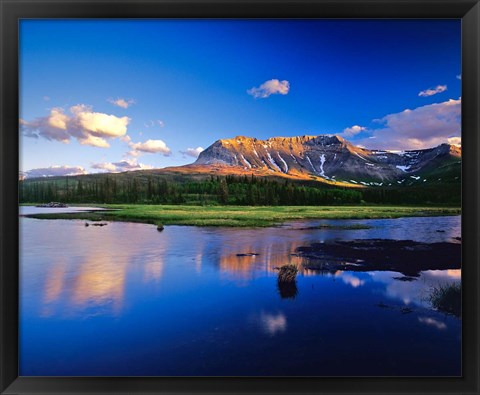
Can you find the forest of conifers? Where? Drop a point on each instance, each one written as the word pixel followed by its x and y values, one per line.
pixel 235 190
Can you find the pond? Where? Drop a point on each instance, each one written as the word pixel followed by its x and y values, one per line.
pixel 127 300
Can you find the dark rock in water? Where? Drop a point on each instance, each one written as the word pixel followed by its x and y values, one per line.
pixel 383 305
pixel 404 256
pixel 160 228
pixel 101 224
pixel 406 310
pixel 440 231
pixel 86 224
pixel 249 254
pixel 52 205
pixel 405 278
pixel 336 227
pixel 403 310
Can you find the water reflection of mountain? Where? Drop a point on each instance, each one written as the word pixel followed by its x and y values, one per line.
pixel 95 277
pixel 266 262
pixel 94 267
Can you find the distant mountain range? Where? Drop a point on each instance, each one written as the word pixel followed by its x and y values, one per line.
pixel 324 159
pixel 327 159
pixel 319 170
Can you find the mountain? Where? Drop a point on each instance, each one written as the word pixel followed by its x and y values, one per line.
pixel 314 160
pixel 323 170
pixel 327 159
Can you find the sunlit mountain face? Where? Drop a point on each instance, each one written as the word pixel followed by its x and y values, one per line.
pixel 318 160
pixel 328 159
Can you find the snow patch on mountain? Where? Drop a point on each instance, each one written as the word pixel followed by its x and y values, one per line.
pixel 272 161
pixel 246 162
pixel 285 163
pixel 322 161
pixel 361 157
pixel 311 164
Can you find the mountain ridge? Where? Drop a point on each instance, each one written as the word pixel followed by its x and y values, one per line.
pixel 325 158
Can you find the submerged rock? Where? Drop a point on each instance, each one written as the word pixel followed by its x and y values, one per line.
pixel 336 227
pixel 52 205
pixel 383 305
pixel 405 278
pixel 249 254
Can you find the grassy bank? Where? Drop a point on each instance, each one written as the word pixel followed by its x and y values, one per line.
pixel 246 216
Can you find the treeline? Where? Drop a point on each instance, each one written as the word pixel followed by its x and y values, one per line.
pixel 229 190
pixel 232 190
pixel 440 194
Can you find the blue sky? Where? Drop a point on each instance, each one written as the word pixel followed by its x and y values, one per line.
pixel 112 95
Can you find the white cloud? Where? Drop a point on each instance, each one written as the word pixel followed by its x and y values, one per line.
pixel 102 124
pixel 151 147
pixel 53 171
pixel 124 103
pixel 459 76
pixel 58 119
pixel 94 141
pixel 422 127
pixel 354 130
pixel 151 124
pixel 118 167
pixel 455 141
pixel 194 152
pixel 270 87
pixel 88 127
pixel 433 91
pixel 107 166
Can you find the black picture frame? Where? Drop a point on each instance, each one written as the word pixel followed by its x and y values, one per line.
pixel 13 10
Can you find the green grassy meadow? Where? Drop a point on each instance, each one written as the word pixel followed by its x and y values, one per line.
pixel 243 216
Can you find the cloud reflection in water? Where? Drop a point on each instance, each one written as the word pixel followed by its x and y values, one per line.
pixel 432 322
pixel 273 324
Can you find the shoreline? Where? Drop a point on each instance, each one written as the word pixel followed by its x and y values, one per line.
pixel 241 216
pixel 365 255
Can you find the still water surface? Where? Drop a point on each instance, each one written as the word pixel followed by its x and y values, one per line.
pixel 127 300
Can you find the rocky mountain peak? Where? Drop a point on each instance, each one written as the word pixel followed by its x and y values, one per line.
pixel 324 157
